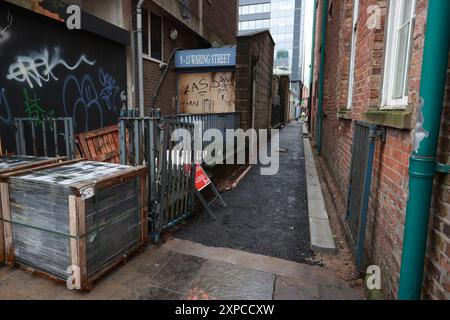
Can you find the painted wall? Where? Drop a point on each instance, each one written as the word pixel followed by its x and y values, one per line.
pixel 47 70
pixel 210 92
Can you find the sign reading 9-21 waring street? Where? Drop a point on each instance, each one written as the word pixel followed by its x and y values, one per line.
pixel 204 58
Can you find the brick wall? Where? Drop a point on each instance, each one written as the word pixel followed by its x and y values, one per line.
pixel 387 205
pixel 437 279
pixel 221 17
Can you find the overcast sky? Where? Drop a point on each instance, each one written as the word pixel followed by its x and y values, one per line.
pixel 309 12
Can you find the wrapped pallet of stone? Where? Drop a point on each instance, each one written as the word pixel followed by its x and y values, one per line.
pixel 10 164
pixel 74 221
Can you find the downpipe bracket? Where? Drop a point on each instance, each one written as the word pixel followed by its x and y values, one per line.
pixel 442 168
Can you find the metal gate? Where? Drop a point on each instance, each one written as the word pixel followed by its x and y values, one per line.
pixel 359 187
pixel 171 170
pixel 45 137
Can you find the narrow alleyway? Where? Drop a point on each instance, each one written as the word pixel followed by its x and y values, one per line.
pixel 266 215
pixel 258 248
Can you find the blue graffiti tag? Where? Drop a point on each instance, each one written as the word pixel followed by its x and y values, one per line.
pixel 83 100
pixel 109 90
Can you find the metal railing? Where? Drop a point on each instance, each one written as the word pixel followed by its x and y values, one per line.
pixel 219 121
pixel 45 137
pixel 171 171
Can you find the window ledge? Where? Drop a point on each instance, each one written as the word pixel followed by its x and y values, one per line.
pixel 399 119
pixel 345 114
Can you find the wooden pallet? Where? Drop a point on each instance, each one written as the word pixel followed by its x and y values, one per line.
pixel 99 145
pixel 80 279
pixel 11 170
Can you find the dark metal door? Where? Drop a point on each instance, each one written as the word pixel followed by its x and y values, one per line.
pixel 359 187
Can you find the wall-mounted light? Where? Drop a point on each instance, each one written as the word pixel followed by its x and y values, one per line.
pixel 173 34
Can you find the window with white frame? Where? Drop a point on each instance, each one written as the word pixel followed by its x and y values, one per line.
pixel 351 81
pixel 398 53
pixel 152 35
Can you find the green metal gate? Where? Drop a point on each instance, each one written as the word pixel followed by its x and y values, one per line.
pixel 171 171
pixel 359 187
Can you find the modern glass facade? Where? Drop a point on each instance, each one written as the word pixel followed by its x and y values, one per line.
pixel 285 20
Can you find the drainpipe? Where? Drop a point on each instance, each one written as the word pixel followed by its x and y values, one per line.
pixel 423 164
pixel 311 76
pixel 321 75
pixel 139 53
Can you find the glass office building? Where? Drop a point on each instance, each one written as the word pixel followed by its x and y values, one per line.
pixel 285 20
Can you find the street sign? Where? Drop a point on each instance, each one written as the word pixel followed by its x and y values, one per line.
pixel 205 58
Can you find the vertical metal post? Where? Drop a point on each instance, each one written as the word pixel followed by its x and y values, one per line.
pixel 423 160
pixel 322 76
pixel 55 137
pixel 122 142
pixel 33 137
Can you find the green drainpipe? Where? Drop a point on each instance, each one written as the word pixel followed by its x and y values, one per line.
pixel 311 76
pixel 321 75
pixel 423 165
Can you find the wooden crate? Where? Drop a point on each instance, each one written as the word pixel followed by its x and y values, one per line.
pixel 99 145
pixel 10 164
pixel 74 221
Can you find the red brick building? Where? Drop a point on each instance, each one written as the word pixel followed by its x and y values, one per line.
pixel 197 24
pixel 363 82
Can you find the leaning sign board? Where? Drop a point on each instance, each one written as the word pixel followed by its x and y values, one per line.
pixel 206 80
pixel 201 179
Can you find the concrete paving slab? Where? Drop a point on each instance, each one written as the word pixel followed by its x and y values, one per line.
pixel 322 239
pixel 178 273
pixel 295 289
pixel 330 292
pixel 248 260
pixel 224 281
pixel 155 293
pixel 317 209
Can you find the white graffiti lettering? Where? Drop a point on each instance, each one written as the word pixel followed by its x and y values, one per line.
pixel 39 67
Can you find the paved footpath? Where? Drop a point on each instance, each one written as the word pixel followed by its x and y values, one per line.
pixel 181 269
pixel 266 215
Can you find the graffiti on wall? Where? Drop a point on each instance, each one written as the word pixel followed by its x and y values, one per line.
pixel 212 92
pixel 65 73
pixel 39 67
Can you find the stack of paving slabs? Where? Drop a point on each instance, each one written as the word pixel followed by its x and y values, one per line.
pixel 74 221
pixel 10 164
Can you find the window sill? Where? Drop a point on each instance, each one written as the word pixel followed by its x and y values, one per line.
pixel 398 119
pixel 345 114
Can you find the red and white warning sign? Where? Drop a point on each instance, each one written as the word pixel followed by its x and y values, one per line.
pixel 201 178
